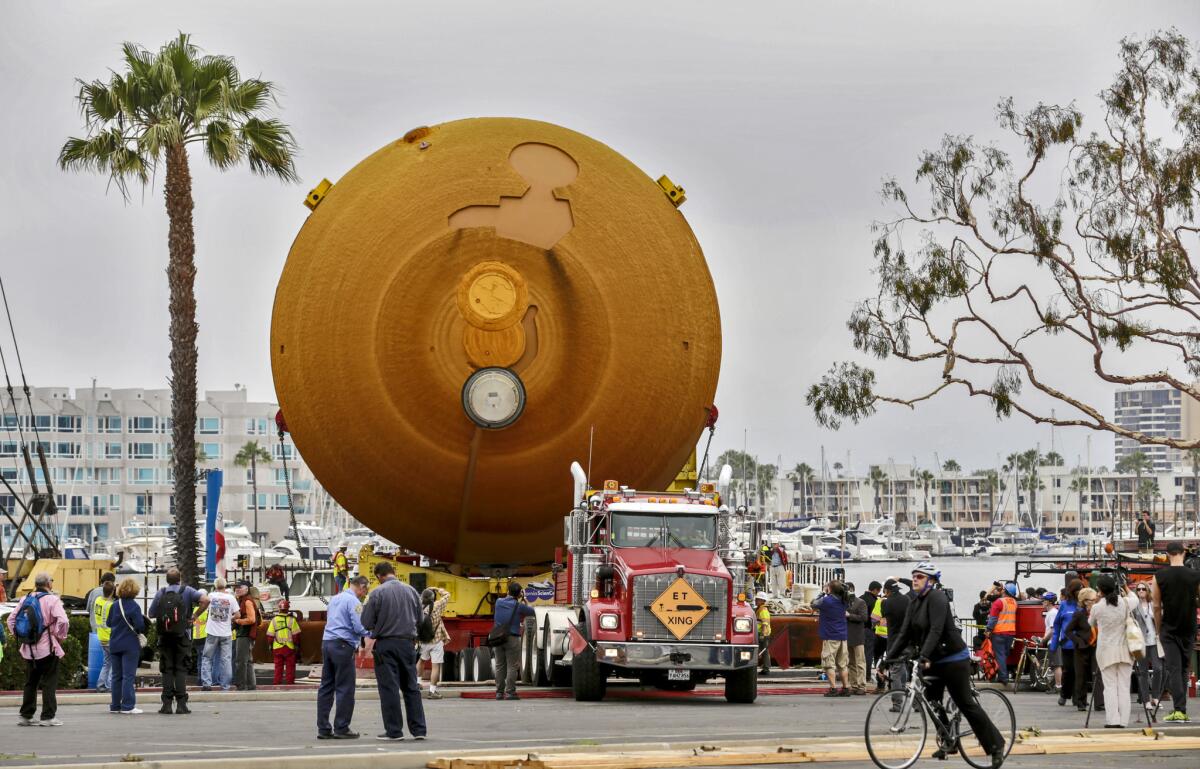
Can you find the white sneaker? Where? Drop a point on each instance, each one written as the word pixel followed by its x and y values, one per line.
pixel 134 712
pixel 50 722
pixel 23 721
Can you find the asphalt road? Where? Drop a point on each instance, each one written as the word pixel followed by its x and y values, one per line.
pixel 232 729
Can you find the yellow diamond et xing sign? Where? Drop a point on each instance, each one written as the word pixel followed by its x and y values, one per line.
pixel 680 608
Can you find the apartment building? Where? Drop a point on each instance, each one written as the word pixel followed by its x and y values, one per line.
pixel 1160 411
pixel 109 456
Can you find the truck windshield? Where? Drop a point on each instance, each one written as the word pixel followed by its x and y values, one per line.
pixel 647 530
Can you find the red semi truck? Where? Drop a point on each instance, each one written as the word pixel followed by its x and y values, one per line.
pixel 650 588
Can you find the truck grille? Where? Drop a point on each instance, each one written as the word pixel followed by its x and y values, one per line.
pixel 647 587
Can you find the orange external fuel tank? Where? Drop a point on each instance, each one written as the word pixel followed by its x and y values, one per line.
pixel 465 308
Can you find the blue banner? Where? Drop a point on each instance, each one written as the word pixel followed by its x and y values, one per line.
pixel 213 526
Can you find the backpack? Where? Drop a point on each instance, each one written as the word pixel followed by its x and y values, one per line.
pixel 171 616
pixel 425 627
pixel 29 625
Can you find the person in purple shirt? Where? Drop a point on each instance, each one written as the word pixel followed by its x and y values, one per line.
pixel 832 608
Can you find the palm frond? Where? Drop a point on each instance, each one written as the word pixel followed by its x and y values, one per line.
pixel 222 144
pixel 109 152
pixel 249 96
pixel 98 103
pixel 157 137
pixel 270 148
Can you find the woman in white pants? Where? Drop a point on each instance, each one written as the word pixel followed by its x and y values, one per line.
pixel 1108 616
pixel 1148 668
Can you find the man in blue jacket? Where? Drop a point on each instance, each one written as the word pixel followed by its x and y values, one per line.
pixel 343 634
pixel 833 609
pixel 510 614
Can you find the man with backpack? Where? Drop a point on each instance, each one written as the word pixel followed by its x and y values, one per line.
pixel 40 626
pixel 433 636
pixel 171 610
pixel 505 640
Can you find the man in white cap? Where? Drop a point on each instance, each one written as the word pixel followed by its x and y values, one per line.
pixel 764 631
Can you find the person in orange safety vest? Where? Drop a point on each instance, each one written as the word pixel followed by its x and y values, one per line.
pixel 1002 628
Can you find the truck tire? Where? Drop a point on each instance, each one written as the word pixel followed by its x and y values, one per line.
pixel 466 665
pixel 528 651
pixel 741 685
pixel 483 664
pixel 541 668
pixel 450 667
pixel 587 679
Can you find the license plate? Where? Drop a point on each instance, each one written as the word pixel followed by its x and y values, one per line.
pixel 678 674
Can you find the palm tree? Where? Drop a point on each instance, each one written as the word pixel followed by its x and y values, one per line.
pixel 951 466
pixel 991 484
pixel 875 479
pixel 925 478
pixel 804 474
pixel 147 116
pixel 764 478
pixel 1053 459
pixel 251 454
pixel 1137 463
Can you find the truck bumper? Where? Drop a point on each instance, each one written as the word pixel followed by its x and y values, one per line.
pixel 663 655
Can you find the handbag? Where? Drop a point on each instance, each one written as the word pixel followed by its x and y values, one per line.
pixel 1134 638
pixel 140 636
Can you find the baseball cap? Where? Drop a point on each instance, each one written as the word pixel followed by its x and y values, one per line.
pixel 243 583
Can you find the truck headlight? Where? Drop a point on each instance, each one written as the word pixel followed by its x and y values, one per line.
pixel 609 621
pixel 743 625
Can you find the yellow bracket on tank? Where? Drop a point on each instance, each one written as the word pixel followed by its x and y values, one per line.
pixel 674 192
pixel 687 478
pixel 469 596
pixel 317 194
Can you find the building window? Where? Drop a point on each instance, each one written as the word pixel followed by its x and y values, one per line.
pixel 208 426
pixel 141 451
pixel 143 504
pixel 211 450
pixel 68 424
pixel 108 425
pixel 143 476
pixel 66 450
pixel 41 422
pixel 8 448
pixel 281 501
pixel 141 424
pixel 10 422
pixel 256 426
pixel 262 501
pixel 283 451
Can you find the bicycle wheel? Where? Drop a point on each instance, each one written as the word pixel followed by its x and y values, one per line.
pixel 895 740
pixel 1000 712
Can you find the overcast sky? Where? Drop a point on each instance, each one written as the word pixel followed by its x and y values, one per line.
pixel 780 120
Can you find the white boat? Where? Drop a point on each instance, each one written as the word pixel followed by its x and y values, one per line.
pixel 936 540
pixel 981 547
pixel 1014 540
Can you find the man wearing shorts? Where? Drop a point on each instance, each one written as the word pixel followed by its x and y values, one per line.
pixel 434 600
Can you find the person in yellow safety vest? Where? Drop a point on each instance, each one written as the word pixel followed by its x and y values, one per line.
pixel 284 632
pixel 1002 628
pixel 764 631
pixel 100 606
pixel 880 649
pixel 341 569
pixel 200 633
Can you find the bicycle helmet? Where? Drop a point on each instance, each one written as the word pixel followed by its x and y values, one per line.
pixel 927 568
pixel 1049 597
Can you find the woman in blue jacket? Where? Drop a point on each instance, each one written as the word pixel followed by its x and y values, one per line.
pixel 1060 640
pixel 125 651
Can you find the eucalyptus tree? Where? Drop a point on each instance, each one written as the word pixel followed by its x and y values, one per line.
pixel 150 116
pixel 1078 244
pixel 1193 457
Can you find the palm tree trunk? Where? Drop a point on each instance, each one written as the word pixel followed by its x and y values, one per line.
pixel 254 491
pixel 181 277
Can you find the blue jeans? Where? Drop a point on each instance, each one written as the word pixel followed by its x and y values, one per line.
pixel 104 680
pixel 337 683
pixel 218 651
pixel 124 668
pixel 1002 645
pixel 205 663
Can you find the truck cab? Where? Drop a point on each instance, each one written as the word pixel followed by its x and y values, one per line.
pixel 656 591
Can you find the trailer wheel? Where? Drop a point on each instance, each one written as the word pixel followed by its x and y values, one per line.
pixel 483 664
pixel 450 667
pixel 742 685
pixel 556 675
pixel 528 650
pixel 466 665
pixel 541 668
pixel 587 679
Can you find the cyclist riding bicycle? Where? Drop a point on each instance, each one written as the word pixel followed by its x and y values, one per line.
pixel 933 638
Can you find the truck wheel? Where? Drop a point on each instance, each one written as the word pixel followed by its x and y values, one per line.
pixel 450 667
pixel 541 668
pixel 483 664
pixel 528 650
pixel 466 665
pixel 741 685
pixel 587 679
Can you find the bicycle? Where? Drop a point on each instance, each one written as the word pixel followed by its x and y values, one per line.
pixel 896 738
pixel 1036 657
